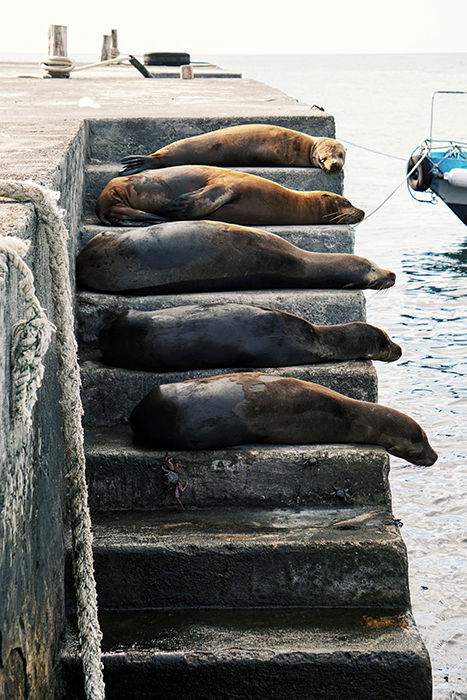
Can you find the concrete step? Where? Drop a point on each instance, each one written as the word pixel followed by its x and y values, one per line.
pixel 284 654
pixel 316 239
pixel 98 175
pixel 110 393
pixel 125 476
pixel 249 558
pixel 317 306
pixel 112 139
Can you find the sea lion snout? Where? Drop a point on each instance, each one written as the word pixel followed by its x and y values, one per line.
pixel 427 459
pixel 409 441
pixel 393 352
pixel 380 279
pixel 354 216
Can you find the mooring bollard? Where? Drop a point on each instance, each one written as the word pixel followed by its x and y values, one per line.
pixel 57 63
pixel 106 52
pixel 186 72
pixel 114 50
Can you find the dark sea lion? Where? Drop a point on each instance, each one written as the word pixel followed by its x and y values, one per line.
pixel 234 335
pixel 241 408
pixel 206 192
pixel 247 145
pixel 195 256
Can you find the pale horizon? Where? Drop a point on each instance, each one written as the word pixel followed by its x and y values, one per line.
pixel 244 28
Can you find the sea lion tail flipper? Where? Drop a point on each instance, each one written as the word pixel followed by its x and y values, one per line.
pixel 136 164
pixel 124 216
pixel 198 204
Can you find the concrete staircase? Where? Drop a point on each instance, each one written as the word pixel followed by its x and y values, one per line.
pixel 286 576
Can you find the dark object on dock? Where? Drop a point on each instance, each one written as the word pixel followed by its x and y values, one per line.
pixel 139 66
pixel 166 59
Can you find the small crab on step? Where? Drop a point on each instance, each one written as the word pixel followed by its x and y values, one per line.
pixel 344 494
pixel 171 477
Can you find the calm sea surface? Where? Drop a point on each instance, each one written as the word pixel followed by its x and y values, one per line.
pixel 383 102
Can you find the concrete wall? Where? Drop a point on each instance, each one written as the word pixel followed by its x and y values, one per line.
pixel 31 474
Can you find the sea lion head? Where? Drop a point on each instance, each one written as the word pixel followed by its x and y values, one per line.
pixel 368 342
pixel 338 210
pixel 328 154
pixel 407 440
pixel 368 275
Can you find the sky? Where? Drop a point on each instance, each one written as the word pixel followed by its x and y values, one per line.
pixel 240 26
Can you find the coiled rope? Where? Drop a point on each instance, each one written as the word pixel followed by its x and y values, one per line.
pixel 31 336
pixel 31 339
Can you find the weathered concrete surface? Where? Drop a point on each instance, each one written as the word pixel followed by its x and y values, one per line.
pixel 31 474
pixel 250 558
pixel 97 176
pixel 122 475
pixel 316 239
pixel 41 117
pixel 110 393
pixel 317 306
pixel 282 654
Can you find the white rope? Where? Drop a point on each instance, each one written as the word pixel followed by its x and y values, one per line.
pixel 371 150
pixel 45 202
pixel 424 155
pixel 31 337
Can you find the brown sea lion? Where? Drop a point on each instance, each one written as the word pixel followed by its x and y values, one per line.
pixel 204 256
pixel 247 145
pixel 234 335
pixel 235 409
pixel 206 192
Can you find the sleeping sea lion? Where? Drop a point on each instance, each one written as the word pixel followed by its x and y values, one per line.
pixel 203 256
pixel 242 408
pixel 248 145
pixel 207 192
pixel 234 335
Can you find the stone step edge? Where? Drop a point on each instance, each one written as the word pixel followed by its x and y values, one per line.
pixel 103 167
pixel 246 527
pixel 265 476
pixel 314 239
pixel 345 670
pixel 250 557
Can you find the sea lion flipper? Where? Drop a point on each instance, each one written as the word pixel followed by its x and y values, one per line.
pixel 137 163
pixel 126 216
pixel 198 204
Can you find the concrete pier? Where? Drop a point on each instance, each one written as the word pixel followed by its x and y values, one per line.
pixel 287 571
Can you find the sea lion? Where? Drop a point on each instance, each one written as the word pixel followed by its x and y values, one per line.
pixel 207 192
pixel 195 256
pixel 235 409
pixel 234 335
pixel 247 145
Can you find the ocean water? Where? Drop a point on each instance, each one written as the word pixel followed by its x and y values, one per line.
pixel 383 102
